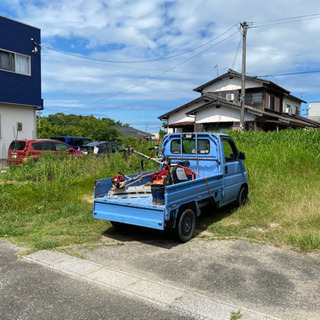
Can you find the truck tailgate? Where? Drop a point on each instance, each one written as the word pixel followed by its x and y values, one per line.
pixel 135 211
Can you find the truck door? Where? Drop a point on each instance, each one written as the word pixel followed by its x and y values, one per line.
pixel 233 170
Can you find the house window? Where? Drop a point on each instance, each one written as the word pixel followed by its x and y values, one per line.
pixel 15 62
pixel 253 96
pixel 271 102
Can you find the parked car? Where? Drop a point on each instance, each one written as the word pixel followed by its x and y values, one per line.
pixel 22 150
pixel 74 142
pixel 100 147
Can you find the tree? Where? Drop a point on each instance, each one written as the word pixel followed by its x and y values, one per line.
pixel 59 124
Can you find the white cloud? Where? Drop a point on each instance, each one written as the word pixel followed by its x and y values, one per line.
pixel 141 30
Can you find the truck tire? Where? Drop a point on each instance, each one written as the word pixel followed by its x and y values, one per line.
pixel 185 225
pixel 242 196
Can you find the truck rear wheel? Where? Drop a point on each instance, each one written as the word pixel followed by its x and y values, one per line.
pixel 185 225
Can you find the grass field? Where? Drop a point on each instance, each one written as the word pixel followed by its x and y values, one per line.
pixel 45 204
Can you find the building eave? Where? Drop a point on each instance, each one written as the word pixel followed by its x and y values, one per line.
pixel 232 73
pixel 166 115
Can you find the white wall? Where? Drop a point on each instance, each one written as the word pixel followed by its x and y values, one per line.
pixel 223 114
pixel 314 109
pixel 180 116
pixel 9 116
pixel 294 105
pixel 230 84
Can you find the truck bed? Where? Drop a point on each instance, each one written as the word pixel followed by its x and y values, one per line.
pixel 142 212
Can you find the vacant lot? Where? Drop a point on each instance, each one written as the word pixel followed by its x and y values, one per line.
pixel 45 204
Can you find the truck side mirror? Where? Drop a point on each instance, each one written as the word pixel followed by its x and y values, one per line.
pixel 242 156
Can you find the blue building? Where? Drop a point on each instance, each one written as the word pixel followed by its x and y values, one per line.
pixel 20 82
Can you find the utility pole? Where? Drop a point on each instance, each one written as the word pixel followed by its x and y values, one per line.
pixel 217 67
pixel 243 74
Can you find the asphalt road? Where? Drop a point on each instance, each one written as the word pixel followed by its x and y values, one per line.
pixel 274 281
pixel 145 275
pixel 32 291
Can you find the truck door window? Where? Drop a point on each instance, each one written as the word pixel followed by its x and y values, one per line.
pixel 188 146
pixel 203 146
pixel 230 150
pixel 175 146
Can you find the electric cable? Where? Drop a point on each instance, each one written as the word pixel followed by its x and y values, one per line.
pixel 288 74
pixel 235 57
pixel 137 61
pixel 162 73
pixel 268 23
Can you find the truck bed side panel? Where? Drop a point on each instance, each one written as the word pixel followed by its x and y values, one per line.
pixel 196 190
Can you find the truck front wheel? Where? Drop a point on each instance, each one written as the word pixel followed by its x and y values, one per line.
pixel 185 225
pixel 242 196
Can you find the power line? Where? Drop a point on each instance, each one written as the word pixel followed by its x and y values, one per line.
pixel 138 61
pixel 235 57
pixel 289 18
pixel 267 23
pixel 162 73
pixel 288 74
pixel 135 67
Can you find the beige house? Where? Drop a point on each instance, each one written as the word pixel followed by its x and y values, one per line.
pixel 267 107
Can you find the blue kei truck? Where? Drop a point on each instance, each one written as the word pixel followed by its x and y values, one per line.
pixel 195 169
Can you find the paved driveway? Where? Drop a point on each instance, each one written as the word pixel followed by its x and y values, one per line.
pixel 199 279
pixel 273 281
pixel 31 291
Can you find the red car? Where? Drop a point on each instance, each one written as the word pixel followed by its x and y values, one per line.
pixel 22 150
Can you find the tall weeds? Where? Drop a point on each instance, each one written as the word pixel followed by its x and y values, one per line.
pixel 44 204
pixel 283 173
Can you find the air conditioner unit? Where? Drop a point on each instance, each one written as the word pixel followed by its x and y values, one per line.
pixel 230 96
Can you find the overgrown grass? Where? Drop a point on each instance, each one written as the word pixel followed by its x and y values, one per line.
pixel 45 205
pixel 283 173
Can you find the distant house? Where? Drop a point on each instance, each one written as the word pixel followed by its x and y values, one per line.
pixel 314 111
pixel 267 107
pixel 127 131
pixel 20 82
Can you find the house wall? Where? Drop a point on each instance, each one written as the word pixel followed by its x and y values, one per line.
pixel 230 84
pixel 222 114
pixel 294 105
pixel 314 109
pixel 9 116
pixel 16 88
pixel 181 116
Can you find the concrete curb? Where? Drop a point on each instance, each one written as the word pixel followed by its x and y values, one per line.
pixel 184 300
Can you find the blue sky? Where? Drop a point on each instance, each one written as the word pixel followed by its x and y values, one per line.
pixel 136 60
